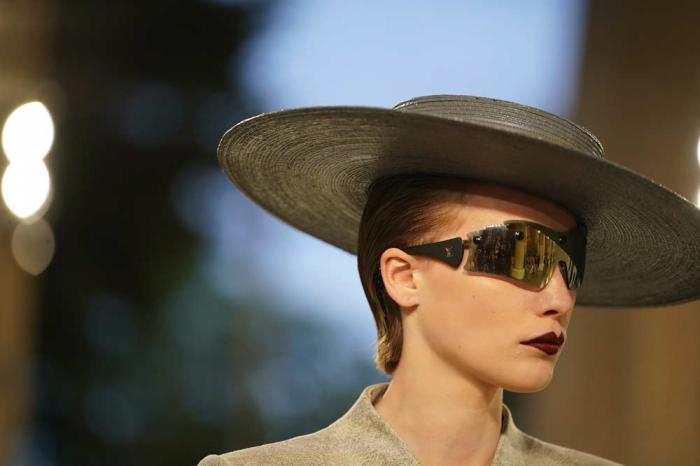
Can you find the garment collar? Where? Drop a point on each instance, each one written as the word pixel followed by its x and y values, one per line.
pixel 363 420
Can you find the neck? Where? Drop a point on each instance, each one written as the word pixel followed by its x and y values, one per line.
pixel 444 417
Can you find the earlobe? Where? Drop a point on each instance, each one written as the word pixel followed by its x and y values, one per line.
pixel 398 274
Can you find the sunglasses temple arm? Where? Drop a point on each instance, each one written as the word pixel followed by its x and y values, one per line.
pixel 450 251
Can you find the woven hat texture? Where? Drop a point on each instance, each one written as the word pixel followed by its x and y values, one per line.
pixel 311 168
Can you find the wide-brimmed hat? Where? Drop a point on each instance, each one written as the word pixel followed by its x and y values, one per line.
pixel 311 168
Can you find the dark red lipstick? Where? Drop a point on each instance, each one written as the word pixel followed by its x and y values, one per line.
pixel 548 342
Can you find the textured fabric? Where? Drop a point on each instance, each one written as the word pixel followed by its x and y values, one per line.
pixel 362 437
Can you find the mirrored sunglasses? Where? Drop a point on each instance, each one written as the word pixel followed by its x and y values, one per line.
pixel 518 249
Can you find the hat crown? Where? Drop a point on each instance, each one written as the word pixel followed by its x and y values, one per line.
pixel 511 116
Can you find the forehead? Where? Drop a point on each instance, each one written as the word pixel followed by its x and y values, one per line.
pixel 488 203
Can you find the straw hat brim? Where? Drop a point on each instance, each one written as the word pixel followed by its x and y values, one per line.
pixel 311 167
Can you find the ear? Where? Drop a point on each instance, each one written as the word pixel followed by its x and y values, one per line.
pixel 398 273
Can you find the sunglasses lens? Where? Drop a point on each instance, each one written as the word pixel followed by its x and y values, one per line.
pixel 522 252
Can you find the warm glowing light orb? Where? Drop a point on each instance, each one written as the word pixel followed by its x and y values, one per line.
pixel 33 246
pixel 25 187
pixel 28 132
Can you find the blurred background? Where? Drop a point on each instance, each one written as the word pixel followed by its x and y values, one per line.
pixel 137 326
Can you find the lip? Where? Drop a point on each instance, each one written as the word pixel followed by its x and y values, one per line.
pixel 549 337
pixel 548 348
pixel 548 342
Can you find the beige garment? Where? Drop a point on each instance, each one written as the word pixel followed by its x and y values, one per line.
pixel 362 437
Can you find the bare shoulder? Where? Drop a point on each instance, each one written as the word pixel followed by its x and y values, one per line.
pixel 552 454
pixel 317 448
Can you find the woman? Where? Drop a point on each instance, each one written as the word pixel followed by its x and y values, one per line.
pixel 474 221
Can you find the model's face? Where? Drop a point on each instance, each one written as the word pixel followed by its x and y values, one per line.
pixel 474 323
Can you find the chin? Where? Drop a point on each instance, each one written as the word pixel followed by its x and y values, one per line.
pixel 528 387
pixel 529 382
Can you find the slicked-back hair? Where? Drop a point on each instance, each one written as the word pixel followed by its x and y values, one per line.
pixel 401 211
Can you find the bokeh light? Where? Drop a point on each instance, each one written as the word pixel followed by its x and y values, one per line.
pixel 459 48
pixel 25 187
pixel 28 133
pixel 33 246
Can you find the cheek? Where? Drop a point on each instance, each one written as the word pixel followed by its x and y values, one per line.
pixel 475 325
pixel 469 318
